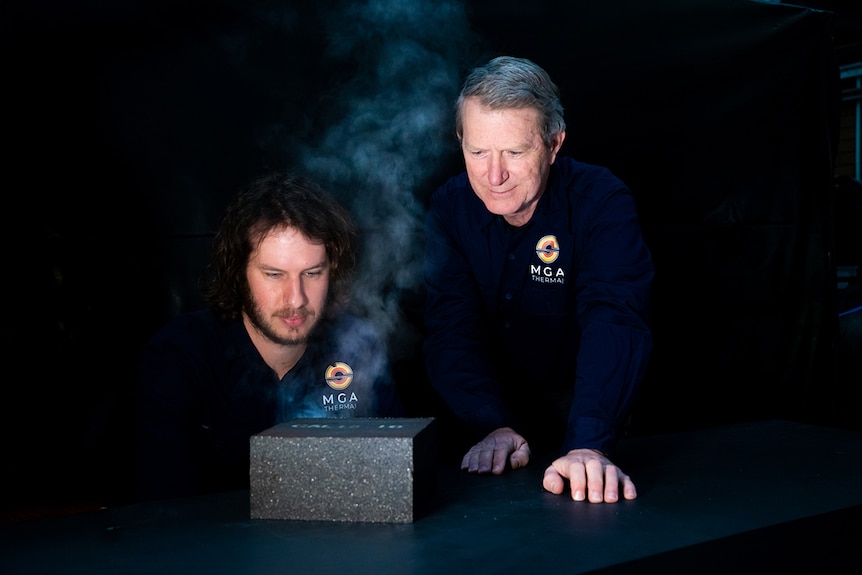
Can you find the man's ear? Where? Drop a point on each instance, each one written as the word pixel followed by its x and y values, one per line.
pixel 559 138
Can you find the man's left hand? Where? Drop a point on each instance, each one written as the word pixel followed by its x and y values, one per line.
pixel 589 473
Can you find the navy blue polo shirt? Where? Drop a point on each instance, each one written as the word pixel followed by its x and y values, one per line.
pixel 204 390
pixel 542 327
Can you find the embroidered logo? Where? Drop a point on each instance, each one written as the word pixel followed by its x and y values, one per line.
pixel 548 249
pixel 339 376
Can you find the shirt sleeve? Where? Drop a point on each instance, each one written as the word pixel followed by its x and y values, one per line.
pixel 615 273
pixel 457 364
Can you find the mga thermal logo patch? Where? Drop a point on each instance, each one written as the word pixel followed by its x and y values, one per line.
pixel 339 376
pixel 548 249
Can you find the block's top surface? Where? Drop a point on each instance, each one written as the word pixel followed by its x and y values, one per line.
pixel 350 427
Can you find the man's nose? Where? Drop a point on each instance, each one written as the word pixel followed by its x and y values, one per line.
pixel 294 293
pixel 497 173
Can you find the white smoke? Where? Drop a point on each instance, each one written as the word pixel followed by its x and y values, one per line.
pixel 393 130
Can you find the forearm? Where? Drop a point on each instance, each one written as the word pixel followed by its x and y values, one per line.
pixel 462 378
pixel 612 364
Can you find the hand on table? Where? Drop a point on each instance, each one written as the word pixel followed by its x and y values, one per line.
pixel 589 472
pixel 491 454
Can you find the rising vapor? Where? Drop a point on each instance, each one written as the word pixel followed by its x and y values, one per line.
pixel 394 129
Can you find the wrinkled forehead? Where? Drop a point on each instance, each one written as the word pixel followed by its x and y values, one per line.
pixel 516 126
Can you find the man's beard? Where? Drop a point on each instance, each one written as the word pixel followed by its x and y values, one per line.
pixel 265 327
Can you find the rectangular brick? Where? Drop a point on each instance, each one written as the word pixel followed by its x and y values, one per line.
pixel 360 469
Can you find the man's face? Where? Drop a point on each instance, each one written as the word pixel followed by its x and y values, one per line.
pixel 507 162
pixel 288 280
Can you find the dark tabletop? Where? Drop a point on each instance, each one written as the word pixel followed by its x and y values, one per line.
pixel 771 496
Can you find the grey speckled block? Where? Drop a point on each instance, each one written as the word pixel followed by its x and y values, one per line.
pixel 362 469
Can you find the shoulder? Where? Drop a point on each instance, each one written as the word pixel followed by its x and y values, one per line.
pixel 573 177
pixel 455 206
pixel 185 324
pixel 196 332
pixel 581 189
pixel 452 186
pixel 455 195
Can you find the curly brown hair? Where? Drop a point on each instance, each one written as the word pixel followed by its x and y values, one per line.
pixel 273 201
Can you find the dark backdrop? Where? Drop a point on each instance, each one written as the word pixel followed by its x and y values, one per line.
pixel 128 127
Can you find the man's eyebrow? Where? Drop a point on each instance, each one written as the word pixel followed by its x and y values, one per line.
pixel 323 264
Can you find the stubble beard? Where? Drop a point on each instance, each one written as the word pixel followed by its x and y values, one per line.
pixel 265 325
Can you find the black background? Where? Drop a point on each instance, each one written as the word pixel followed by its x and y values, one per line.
pixel 128 127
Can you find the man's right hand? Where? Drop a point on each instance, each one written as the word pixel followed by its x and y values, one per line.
pixel 491 454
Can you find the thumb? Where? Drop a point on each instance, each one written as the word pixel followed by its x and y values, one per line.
pixel 520 457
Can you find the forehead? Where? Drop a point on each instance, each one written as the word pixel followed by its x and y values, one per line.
pixel 481 124
pixel 285 247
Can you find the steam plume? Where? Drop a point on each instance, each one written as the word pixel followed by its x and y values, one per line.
pixel 394 130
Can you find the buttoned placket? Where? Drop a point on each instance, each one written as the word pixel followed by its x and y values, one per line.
pixel 514 269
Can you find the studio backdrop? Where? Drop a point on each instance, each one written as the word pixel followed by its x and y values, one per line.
pixel 130 127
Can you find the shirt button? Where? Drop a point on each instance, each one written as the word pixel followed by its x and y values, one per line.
pixel 507 325
pixel 508 297
pixel 511 257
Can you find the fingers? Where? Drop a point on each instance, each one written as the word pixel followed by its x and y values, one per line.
pixel 553 481
pixel 491 455
pixel 590 477
pixel 521 457
pixel 486 459
pixel 578 480
pixel 629 489
pixel 614 477
pixel 499 457
pixel 595 480
pixel 479 459
pixel 590 473
pixel 611 494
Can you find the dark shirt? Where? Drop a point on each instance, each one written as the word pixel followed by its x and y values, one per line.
pixel 204 390
pixel 542 327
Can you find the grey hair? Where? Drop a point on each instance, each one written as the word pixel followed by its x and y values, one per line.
pixel 507 82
